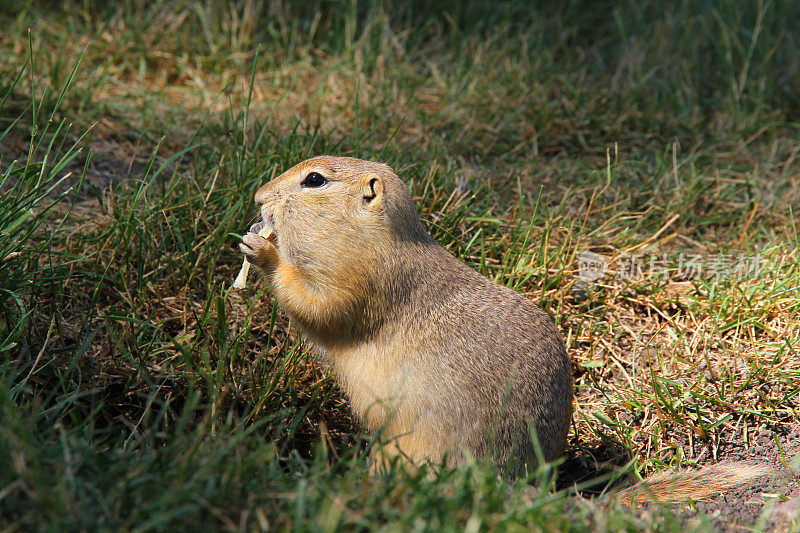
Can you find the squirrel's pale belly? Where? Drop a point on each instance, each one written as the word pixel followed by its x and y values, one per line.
pixel 377 383
pixel 389 389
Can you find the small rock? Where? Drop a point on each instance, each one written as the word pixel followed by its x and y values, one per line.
pixel 579 293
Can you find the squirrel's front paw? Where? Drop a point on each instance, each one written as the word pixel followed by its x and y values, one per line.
pixel 258 250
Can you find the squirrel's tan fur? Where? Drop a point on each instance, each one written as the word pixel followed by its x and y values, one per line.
pixel 694 484
pixel 444 359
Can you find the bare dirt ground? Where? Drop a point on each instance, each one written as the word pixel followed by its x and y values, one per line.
pixel 775 496
pixel 770 503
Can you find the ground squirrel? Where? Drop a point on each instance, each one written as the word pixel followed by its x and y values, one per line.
pixel 441 357
pixel 447 361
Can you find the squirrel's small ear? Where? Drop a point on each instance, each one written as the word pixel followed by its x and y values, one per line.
pixel 372 192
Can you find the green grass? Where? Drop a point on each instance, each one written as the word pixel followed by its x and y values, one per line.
pixel 138 392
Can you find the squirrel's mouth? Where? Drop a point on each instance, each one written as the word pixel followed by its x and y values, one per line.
pixel 265 229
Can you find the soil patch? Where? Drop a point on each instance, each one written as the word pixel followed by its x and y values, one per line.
pixel 775 445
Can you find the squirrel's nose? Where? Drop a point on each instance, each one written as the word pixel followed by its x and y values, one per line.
pixel 262 194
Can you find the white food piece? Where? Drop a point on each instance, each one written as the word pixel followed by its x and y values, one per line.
pixel 241 279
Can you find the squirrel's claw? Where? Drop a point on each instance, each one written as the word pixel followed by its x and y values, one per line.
pixel 258 250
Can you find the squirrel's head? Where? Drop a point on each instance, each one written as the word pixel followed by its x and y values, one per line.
pixel 334 208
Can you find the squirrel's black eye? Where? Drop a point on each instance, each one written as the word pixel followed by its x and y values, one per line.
pixel 314 179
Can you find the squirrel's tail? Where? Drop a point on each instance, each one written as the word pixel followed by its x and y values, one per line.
pixel 694 484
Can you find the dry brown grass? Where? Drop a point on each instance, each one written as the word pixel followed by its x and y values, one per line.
pixel 487 135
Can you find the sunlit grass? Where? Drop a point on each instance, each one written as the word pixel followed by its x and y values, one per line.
pixel 138 391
